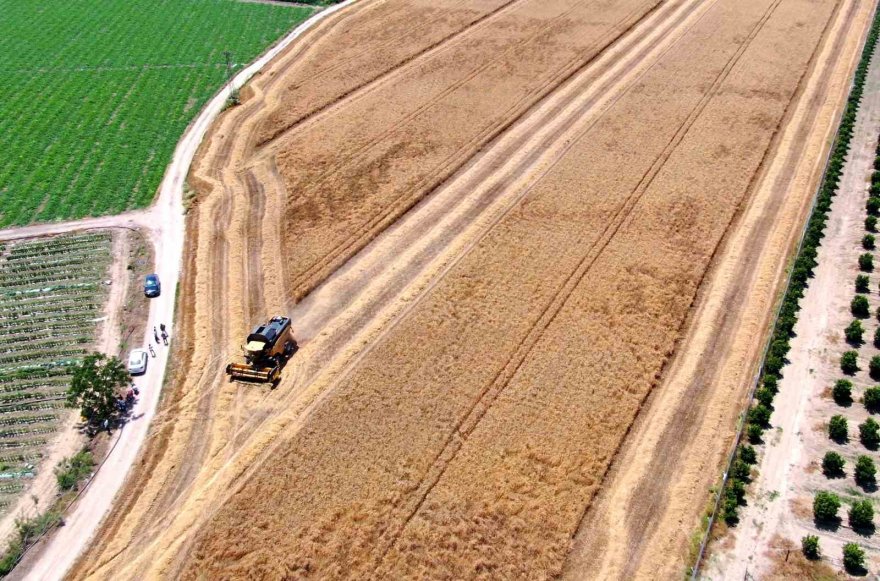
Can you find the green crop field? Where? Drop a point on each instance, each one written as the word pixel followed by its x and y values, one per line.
pixel 51 295
pixel 95 94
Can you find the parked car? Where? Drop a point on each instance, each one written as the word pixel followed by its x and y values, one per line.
pixel 152 286
pixel 137 361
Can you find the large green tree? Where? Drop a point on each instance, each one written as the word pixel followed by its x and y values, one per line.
pixel 96 384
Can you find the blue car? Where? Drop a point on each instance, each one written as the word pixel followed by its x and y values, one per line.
pixel 152 288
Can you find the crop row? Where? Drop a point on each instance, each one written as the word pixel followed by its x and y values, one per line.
pixel 9 310
pixel 8 420
pixel 26 333
pixel 43 260
pixel 84 310
pixel 23 324
pixel 57 354
pixel 31 282
pixel 8 398
pixel 10 377
pixel 25 431
pixel 58 243
pixel 27 254
pixel 61 382
pixel 10 445
pixel 49 297
pixel 44 290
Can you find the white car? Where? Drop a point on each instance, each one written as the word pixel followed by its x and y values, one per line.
pixel 137 361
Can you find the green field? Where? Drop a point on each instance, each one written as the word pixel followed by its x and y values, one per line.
pixel 95 94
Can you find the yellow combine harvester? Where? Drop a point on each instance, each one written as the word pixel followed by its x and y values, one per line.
pixel 267 350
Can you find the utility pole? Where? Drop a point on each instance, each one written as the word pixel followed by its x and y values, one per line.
pixel 234 97
pixel 228 56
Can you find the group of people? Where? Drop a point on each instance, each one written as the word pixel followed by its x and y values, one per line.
pixel 156 334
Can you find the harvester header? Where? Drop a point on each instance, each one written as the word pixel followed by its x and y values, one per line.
pixel 266 351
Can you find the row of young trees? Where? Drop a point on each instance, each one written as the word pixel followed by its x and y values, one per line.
pixel 826 504
pixel 758 417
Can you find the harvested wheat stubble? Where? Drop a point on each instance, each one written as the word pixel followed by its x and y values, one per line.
pixel 470 441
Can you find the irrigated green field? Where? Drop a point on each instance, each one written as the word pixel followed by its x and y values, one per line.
pixel 96 93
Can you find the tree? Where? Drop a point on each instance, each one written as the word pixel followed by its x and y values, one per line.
pixel 877 337
pixel 765 397
pixel 760 415
pixel 866 472
pixel 861 514
pixel 859 307
pixel 832 464
pixel 869 434
pixel 849 362
pixel 872 205
pixel 729 510
pixel 842 392
pixel 868 242
pixel 748 455
pixel 854 332
pixel 754 432
pixel 872 399
pixel 866 262
pixel 95 385
pixel 770 382
pixel 825 506
pixel 874 367
pixel 871 223
pixel 810 547
pixel 853 558
pixel 838 429
pixel 737 489
pixel 863 284
pixel 741 471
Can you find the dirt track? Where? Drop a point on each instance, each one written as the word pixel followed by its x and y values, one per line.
pixel 467 376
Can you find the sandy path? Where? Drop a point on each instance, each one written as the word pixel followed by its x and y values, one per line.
pixel 802 406
pixel 661 478
pixel 219 448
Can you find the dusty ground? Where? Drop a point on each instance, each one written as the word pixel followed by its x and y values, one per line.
pixel 790 470
pixel 468 374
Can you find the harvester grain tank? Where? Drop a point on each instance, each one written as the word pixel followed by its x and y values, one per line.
pixel 266 351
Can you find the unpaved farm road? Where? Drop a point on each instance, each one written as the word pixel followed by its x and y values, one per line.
pixel 163 224
pixel 368 172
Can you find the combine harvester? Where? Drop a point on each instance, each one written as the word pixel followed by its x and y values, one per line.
pixel 268 348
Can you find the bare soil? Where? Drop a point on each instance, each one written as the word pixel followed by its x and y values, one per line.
pixel 469 369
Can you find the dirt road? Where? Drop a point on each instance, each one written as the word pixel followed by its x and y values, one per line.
pixel 490 262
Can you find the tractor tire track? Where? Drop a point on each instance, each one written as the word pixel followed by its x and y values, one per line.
pixel 484 401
